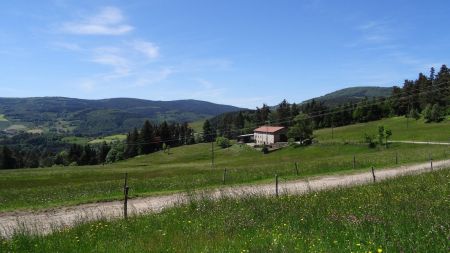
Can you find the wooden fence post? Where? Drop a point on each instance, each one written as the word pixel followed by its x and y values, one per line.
pixel 224 175
pixel 431 162
pixel 125 183
pixel 396 157
pixel 373 175
pixel 276 185
pixel 354 162
pixel 125 192
pixel 296 168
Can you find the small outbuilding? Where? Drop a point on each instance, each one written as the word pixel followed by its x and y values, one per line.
pixel 268 135
pixel 246 138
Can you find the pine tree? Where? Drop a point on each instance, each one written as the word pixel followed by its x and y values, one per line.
pixel 283 113
pixel 132 144
pixel 7 159
pixel 146 138
pixel 208 132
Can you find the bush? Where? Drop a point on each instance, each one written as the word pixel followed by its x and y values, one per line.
pixel 414 114
pixel 370 140
pixel 223 142
pixel 265 150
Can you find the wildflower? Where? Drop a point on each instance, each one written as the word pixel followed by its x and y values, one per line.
pixel 379 250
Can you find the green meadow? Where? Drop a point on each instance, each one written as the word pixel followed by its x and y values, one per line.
pixel 190 167
pixel 109 139
pixel 406 214
pixel 403 129
pixel 197 125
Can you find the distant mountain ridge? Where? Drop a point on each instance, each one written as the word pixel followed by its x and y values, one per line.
pixel 100 117
pixel 352 94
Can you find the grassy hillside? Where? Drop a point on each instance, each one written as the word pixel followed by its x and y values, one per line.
pixel 4 123
pixel 416 130
pixel 2 118
pixel 109 139
pixel 102 117
pixel 408 214
pixel 197 125
pixel 189 167
pixel 353 94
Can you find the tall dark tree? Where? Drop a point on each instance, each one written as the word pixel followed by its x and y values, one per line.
pixel 103 152
pixel 7 160
pixel 147 139
pixel 283 113
pixel 132 147
pixel 209 134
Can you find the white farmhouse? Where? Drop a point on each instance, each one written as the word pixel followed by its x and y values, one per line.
pixel 268 135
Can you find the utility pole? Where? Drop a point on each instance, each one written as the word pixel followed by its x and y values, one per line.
pixel 267 132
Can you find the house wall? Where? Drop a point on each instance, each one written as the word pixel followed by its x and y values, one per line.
pixel 265 138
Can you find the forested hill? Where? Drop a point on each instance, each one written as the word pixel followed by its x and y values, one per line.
pixel 352 95
pixel 99 117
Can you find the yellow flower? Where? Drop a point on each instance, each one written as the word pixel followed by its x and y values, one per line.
pixel 379 250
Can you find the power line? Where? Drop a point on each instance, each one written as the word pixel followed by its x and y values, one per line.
pixel 330 111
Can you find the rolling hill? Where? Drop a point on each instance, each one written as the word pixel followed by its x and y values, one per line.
pixel 99 117
pixel 353 94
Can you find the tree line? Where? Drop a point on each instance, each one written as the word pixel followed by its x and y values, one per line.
pixel 33 150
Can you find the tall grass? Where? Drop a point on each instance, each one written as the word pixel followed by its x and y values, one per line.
pixel 408 214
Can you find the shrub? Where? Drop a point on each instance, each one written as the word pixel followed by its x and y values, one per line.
pixel 370 140
pixel 223 142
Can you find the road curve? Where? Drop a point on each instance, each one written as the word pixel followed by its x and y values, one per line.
pixel 46 221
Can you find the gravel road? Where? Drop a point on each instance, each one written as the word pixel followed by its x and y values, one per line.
pixel 46 221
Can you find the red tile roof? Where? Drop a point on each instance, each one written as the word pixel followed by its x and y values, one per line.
pixel 268 129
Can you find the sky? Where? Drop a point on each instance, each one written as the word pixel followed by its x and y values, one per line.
pixel 243 53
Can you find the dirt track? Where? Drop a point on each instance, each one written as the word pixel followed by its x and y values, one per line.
pixel 44 222
pixel 422 142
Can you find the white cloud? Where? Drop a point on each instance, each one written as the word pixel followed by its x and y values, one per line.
pixel 109 21
pixel 68 46
pixel 149 49
pixel 87 86
pixel 205 83
pixel 375 31
pixel 149 78
pixel 110 56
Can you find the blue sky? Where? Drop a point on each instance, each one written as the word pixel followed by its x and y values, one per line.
pixel 234 52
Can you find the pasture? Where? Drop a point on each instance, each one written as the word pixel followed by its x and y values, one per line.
pixel 403 130
pixel 189 167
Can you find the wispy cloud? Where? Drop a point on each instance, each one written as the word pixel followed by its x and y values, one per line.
pixel 111 56
pixel 149 49
pixel 109 21
pixel 375 31
pixel 87 86
pixel 67 46
pixel 149 78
